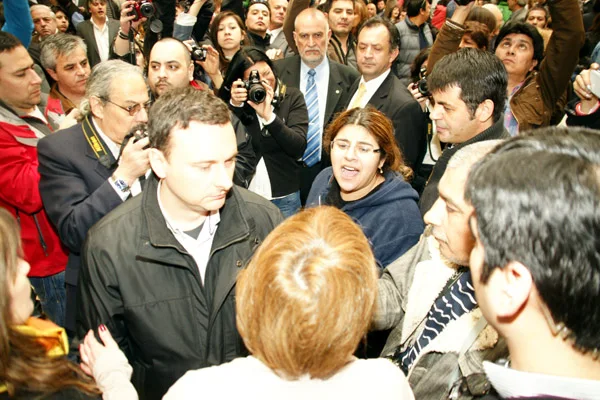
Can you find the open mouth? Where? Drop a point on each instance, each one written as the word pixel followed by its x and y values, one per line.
pixel 349 172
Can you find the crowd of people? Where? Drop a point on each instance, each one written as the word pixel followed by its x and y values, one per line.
pixel 273 198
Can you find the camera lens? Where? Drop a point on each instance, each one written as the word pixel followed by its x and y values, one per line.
pixel 257 93
pixel 147 9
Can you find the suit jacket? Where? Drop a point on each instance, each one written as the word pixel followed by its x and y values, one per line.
pixel 86 31
pixel 281 43
pixel 75 191
pixel 341 78
pixel 410 124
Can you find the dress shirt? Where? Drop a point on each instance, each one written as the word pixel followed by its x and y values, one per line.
pixel 372 87
pixel 322 81
pixel 198 248
pixel 101 36
pixel 274 33
pixel 115 149
pixel 510 383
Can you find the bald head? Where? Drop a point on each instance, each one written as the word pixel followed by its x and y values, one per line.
pixel 311 35
pixel 170 66
pixel 497 14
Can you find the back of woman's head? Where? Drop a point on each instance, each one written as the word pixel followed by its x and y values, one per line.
pixel 245 58
pixel 382 130
pixel 307 297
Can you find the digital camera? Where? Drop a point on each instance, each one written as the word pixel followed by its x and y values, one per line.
pixel 143 9
pixel 422 83
pixel 199 53
pixel 256 91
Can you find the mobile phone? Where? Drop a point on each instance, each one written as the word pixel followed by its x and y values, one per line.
pixel 595 82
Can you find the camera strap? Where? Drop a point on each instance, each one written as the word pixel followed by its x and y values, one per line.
pixel 96 143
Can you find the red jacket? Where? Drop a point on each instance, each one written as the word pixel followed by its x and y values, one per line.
pixel 19 194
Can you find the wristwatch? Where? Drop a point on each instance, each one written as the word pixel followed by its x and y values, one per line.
pixel 121 184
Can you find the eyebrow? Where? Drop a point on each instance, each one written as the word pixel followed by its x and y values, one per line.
pixel 215 161
pixel 449 201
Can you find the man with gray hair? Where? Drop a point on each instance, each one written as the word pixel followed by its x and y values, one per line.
pixel 90 168
pixel 44 25
pixel 426 298
pixel 64 58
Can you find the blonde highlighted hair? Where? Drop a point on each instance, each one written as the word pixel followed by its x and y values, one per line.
pixel 308 295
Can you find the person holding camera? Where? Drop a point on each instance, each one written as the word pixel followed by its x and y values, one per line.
pixel 276 118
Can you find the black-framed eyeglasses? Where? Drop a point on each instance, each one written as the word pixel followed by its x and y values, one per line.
pixel 362 149
pixel 133 109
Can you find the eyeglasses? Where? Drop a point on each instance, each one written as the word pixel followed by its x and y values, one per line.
pixel 133 109
pixel 362 149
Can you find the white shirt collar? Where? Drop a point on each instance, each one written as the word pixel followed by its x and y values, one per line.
pixel 511 383
pixel 274 33
pixel 114 148
pixel 319 69
pixel 374 84
pixel 105 27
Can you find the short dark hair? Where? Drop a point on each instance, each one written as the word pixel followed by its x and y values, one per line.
pixel 326 7
pixel 527 30
pixel 177 108
pixel 245 58
pixel 539 8
pixel 414 7
pixel 479 74
pixel 393 33
pixel 536 200
pixel 479 33
pixel 484 16
pixel 8 42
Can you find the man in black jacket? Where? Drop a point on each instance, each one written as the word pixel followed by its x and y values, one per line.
pixel 468 107
pixel 160 271
pixel 376 50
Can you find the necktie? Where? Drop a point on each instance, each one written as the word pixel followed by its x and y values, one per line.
pixel 360 93
pixel 312 154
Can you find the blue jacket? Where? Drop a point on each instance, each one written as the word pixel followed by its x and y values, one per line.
pixel 389 217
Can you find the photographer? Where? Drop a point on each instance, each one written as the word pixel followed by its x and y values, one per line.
pixel 277 120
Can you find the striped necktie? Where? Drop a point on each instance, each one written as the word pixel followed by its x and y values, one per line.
pixel 312 154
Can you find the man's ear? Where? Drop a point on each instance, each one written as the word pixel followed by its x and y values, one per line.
pixel 534 63
pixel 191 71
pixel 485 110
pixel 158 163
pixel 97 107
pixel 516 285
pixel 52 73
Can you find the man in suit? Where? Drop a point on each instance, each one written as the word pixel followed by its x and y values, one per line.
pixel 376 50
pixel 82 175
pixel 99 32
pixel 311 35
pixel 279 46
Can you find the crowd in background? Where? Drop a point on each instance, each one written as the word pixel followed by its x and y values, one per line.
pixel 299 198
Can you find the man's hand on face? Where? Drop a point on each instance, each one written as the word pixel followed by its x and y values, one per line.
pixel 134 161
